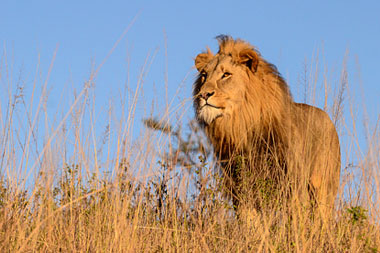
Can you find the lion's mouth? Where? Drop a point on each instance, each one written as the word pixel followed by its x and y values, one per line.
pixel 211 105
pixel 209 112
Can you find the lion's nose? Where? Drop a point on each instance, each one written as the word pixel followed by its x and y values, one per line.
pixel 206 95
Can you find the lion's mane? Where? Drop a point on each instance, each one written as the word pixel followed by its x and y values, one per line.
pixel 264 107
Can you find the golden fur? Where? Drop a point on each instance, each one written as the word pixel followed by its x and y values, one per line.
pixel 247 111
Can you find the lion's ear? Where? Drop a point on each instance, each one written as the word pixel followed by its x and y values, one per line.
pixel 249 58
pixel 202 59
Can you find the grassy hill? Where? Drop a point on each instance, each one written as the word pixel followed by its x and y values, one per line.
pixel 81 189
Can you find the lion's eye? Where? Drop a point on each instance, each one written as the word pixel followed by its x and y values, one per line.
pixel 226 74
pixel 203 76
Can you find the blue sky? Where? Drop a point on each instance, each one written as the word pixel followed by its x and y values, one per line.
pixel 287 33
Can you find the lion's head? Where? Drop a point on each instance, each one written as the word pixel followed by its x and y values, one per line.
pixel 232 91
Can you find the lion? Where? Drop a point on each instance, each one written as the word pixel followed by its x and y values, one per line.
pixel 259 134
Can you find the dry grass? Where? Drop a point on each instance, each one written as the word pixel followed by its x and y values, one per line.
pixel 65 187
